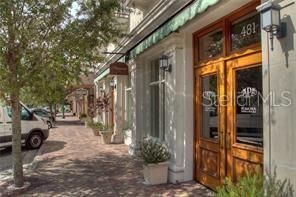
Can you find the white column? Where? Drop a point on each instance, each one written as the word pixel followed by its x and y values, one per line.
pixel 279 71
pixel 179 110
pixel 137 74
pixel 175 114
pixel 118 109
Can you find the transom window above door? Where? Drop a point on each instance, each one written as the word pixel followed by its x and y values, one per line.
pixel 245 31
pixel 232 34
pixel 211 45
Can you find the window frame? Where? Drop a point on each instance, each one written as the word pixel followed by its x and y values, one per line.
pixel 160 83
pixel 128 108
pixel 225 23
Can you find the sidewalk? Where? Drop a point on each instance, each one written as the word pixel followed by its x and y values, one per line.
pixel 74 163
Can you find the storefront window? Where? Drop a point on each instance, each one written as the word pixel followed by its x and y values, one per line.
pixel 157 90
pixel 211 45
pixel 245 31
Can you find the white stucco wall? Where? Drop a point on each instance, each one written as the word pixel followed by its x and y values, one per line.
pixel 118 109
pixel 279 75
pixel 135 17
pixel 178 104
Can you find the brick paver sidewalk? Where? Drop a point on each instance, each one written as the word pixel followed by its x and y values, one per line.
pixel 75 163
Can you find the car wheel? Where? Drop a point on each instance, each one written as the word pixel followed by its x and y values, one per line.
pixel 49 124
pixel 35 140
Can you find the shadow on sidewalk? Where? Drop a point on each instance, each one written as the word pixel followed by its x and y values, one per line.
pixel 53 146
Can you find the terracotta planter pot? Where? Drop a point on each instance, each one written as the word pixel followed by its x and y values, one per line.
pixel 156 173
pixel 106 137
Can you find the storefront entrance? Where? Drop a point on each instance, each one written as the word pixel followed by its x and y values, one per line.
pixel 230 119
pixel 228 98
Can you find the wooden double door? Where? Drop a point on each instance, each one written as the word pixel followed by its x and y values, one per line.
pixel 229 119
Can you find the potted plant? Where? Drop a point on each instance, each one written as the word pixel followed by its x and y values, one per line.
pixel 155 154
pixel 106 133
pixel 82 117
pixel 88 122
pixel 96 128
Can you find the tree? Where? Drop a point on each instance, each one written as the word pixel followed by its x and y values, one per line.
pixel 45 93
pixel 63 35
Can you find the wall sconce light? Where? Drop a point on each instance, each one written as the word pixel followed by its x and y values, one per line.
pixel 271 22
pixel 112 84
pixel 164 63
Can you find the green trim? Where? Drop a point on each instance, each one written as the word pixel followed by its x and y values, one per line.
pixel 102 75
pixel 197 7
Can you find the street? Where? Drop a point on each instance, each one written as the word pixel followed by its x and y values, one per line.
pixel 6 159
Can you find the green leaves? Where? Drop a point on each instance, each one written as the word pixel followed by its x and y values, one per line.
pixel 154 151
pixel 43 47
pixel 256 185
pixel 275 187
pixel 42 41
pixel 246 186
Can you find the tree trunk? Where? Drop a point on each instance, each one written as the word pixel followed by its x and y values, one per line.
pixel 55 112
pixel 50 108
pixel 17 163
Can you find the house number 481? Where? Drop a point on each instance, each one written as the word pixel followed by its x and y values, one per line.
pixel 249 29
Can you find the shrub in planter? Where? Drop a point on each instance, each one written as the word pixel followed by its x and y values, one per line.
pixel 106 133
pixel 88 122
pixel 256 185
pixel 96 128
pixel 82 116
pixel 155 155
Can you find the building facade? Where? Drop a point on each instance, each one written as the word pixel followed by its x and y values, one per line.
pixel 224 101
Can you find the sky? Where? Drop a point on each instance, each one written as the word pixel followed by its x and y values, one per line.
pixel 74 8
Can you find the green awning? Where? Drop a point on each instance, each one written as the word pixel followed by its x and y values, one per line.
pixel 172 25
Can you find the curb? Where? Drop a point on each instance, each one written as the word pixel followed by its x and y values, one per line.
pixel 27 168
pixel 34 164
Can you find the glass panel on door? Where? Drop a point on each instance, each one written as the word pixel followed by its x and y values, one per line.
pixel 249 113
pixel 209 107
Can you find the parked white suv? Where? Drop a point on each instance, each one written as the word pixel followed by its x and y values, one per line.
pixel 34 129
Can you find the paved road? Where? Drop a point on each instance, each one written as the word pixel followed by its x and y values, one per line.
pixel 74 163
pixel 5 157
